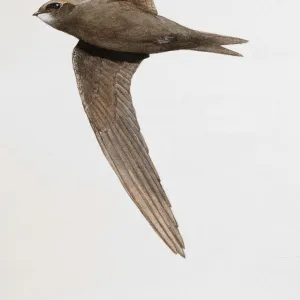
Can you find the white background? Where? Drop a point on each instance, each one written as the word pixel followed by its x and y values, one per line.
pixel 224 133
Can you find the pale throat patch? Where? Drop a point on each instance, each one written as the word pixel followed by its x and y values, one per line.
pixel 47 18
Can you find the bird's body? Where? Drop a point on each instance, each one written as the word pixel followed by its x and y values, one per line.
pixel 112 26
pixel 124 26
pixel 115 36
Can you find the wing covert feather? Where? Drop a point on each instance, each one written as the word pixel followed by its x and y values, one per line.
pixel 104 86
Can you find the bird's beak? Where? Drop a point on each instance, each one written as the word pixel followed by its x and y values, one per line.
pixel 36 14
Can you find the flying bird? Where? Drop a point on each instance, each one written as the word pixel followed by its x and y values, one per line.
pixel 114 38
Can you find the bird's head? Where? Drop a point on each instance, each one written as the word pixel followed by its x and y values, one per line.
pixel 55 12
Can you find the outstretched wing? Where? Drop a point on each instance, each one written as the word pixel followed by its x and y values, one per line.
pixel 104 79
pixel 147 5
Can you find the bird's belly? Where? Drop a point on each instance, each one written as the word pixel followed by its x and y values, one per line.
pixel 136 43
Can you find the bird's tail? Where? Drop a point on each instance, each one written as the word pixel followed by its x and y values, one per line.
pixel 209 42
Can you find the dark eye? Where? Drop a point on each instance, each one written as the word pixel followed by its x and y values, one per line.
pixel 53 6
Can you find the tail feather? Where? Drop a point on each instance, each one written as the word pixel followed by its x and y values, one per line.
pixel 218 40
pixel 209 42
pixel 218 50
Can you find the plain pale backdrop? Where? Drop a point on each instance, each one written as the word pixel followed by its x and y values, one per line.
pixel 224 133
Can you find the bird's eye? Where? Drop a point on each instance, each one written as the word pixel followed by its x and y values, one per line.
pixel 53 6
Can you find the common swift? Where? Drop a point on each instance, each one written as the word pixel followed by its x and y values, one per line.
pixel 114 38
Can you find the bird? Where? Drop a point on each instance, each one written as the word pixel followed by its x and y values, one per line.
pixel 115 36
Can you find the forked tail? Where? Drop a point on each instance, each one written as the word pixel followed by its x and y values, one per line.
pixel 209 42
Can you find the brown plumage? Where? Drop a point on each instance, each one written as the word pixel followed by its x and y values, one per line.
pixel 115 36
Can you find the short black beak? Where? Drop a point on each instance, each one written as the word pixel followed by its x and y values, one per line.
pixel 36 14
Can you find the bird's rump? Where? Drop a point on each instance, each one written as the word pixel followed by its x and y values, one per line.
pixel 104 85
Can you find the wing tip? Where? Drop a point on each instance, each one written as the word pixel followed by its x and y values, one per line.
pixel 182 254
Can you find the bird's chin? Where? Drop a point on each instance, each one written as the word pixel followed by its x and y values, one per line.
pixel 47 18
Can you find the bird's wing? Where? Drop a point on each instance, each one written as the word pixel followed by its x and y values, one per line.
pixel 147 5
pixel 104 79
